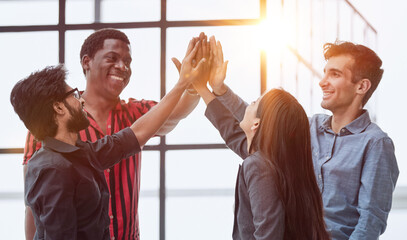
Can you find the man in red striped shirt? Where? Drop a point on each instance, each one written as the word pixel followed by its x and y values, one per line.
pixel 105 59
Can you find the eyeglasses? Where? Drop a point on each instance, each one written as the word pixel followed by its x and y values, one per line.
pixel 75 92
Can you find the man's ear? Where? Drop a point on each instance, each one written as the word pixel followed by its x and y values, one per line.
pixel 363 86
pixel 255 124
pixel 85 62
pixel 59 108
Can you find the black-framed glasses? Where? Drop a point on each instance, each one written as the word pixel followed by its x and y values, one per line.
pixel 75 92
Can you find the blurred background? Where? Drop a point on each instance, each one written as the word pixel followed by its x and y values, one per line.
pixel 188 177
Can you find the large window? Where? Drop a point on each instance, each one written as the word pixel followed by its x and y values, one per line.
pixel 188 177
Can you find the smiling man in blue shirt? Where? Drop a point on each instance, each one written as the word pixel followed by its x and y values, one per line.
pixel 354 160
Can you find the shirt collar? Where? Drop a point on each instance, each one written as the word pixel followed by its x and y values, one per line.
pixel 359 124
pixel 356 126
pixel 59 146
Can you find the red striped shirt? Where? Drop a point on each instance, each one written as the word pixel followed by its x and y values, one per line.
pixel 123 179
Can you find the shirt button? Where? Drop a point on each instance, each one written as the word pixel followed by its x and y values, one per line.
pixel 110 195
pixel 108 170
pixel 109 126
pixel 111 216
pixel 327 158
pixel 113 238
pixel 319 176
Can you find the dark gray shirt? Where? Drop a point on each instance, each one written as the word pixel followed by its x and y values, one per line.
pixel 259 212
pixel 66 189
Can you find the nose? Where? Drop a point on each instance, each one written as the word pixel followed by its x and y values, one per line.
pixel 122 66
pixel 323 81
pixel 82 101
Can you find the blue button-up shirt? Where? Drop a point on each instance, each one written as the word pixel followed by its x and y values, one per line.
pixel 356 171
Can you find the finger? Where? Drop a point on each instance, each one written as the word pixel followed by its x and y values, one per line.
pixel 220 51
pixel 193 53
pixel 212 42
pixel 201 36
pixel 204 48
pixel 200 64
pixel 190 46
pixel 177 63
pixel 225 68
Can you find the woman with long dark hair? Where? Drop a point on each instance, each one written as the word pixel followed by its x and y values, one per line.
pixel 277 196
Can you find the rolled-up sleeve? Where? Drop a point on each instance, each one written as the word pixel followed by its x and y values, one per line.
pixel 111 149
pixel 378 180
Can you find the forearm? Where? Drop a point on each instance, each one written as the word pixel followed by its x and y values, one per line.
pixel 228 127
pixel 147 126
pixel 233 102
pixel 184 107
pixel 205 94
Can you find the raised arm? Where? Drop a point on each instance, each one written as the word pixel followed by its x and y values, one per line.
pixel 222 118
pixel 190 98
pixel 148 125
pixel 217 82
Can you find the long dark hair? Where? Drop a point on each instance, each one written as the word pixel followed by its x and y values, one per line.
pixel 283 137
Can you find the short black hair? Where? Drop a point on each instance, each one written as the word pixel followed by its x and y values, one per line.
pixel 95 41
pixel 33 98
pixel 367 64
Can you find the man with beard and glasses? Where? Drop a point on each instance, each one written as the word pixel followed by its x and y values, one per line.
pixel 65 186
pixel 106 59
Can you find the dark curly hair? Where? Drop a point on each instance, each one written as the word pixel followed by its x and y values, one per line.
pixel 367 64
pixel 33 97
pixel 95 41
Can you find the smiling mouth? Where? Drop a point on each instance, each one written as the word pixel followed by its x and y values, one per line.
pixel 117 78
pixel 326 94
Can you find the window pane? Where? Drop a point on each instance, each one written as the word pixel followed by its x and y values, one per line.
pixel 222 165
pixel 130 10
pixel 13 221
pixel 26 52
pixel 73 44
pixel 149 215
pixel 150 172
pixel 149 199
pixel 13 13
pixel 199 218
pixel 145 48
pixel 241 48
pixel 12 177
pixel 80 11
pixel 219 9
pixel 396 227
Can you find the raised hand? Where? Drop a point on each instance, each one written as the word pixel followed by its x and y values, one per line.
pixel 218 67
pixel 191 74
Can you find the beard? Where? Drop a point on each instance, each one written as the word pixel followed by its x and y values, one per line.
pixel 78 120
